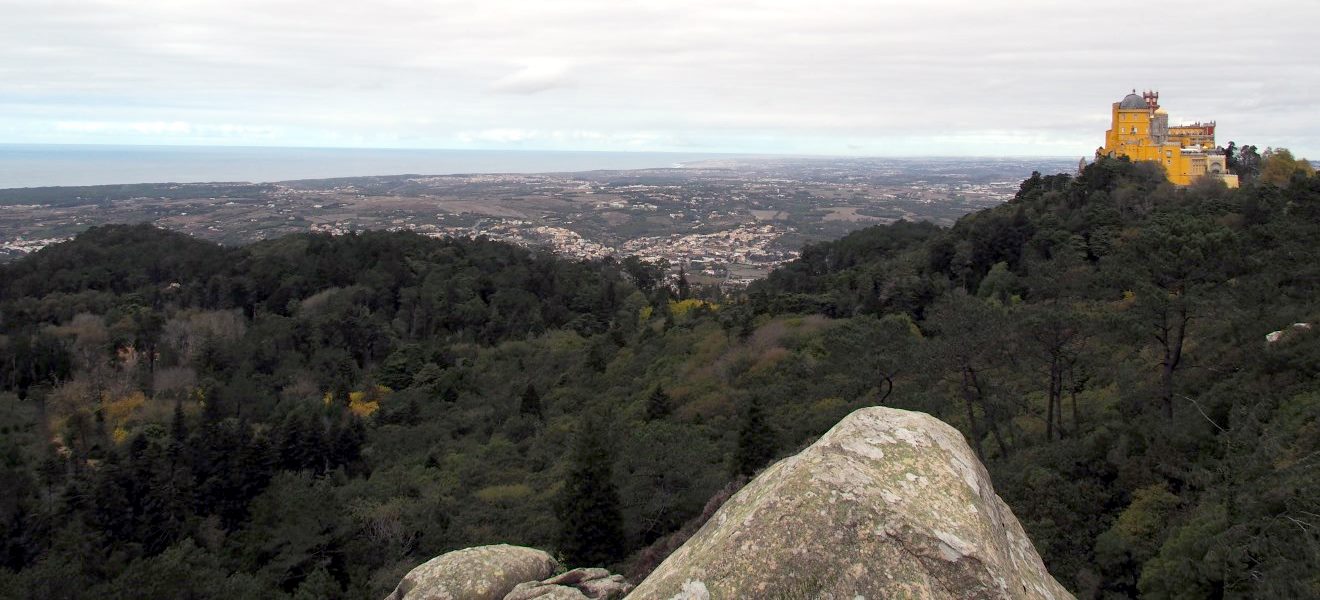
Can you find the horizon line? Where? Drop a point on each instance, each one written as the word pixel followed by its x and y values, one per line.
pixel 554 150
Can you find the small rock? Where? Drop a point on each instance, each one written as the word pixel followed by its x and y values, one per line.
pixel 578 575
pixel 589 583
pixel 606 588
pixel 1275 336
pixel 538 590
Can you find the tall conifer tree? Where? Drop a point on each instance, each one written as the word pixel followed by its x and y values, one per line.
pixel 530 403
pixel 756 441
pixel 591 522
pixel 657 404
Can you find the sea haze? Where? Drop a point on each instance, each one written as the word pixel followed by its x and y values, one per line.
pixel 35 165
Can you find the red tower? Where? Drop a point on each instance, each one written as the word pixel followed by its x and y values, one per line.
pixel 1152 99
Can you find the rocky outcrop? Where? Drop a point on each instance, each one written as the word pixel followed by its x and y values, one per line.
pixel 578 584
pixel 481 573
pixel 887 504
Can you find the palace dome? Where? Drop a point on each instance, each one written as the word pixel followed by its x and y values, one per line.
pixel 1132 101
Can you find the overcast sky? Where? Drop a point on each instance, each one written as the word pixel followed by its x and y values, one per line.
pixel 917 77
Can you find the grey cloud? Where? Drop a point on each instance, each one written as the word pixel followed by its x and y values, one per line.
pixel 1020 77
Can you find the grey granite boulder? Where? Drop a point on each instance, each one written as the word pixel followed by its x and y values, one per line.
pixel 887 504
pixel 480 573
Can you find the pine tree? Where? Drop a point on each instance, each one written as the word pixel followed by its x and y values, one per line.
pixel 597 357
pixel 257 463
pixel 342 383
pixel 530 403
pixel 591 522
pixel 348 441
pixel 657 404
pixel 411 412
pixel 756 441
pixel 299 442
pixel 111 511
pixel 178 425
pixel 211 412
pixel 166 505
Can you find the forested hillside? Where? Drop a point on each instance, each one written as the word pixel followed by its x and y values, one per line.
pixel 312 416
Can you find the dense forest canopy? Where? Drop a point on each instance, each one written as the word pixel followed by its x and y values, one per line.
pixel 312 416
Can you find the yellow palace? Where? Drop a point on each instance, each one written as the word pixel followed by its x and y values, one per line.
pixel 1140 130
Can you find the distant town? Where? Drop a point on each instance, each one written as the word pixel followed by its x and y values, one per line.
pixel 725 222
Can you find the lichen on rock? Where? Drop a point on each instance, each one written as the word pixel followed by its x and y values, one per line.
pixel 480 573
pixel 887 504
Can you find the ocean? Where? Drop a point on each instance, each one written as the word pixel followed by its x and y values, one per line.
pixel 38 165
